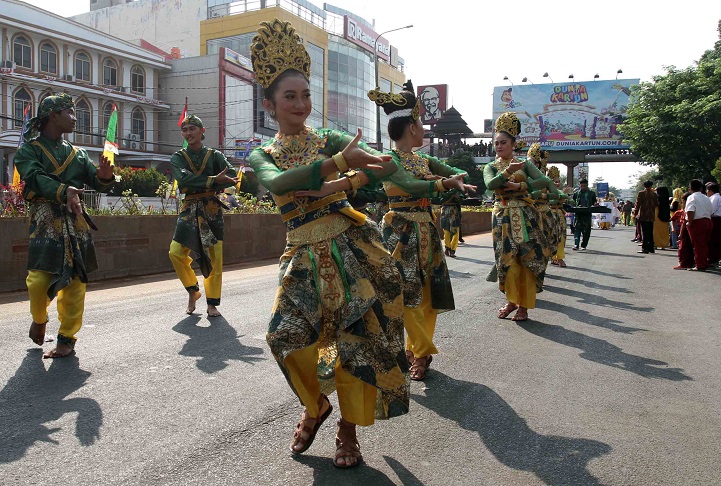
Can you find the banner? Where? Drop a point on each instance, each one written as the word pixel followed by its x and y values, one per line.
pixel 434 101
pixel 568 116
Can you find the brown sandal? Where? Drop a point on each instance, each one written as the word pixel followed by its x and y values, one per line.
pixel 506 310
pixel 350 448
pixel 300 427
pixel 419 367
pixel 521 315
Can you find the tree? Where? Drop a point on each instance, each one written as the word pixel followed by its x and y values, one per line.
pixel 674 122
pixel 142 182
pixel 464 160
pixel 249 183
pixel 636 181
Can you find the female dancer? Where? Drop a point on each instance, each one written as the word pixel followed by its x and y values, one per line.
pixel 337 320
pixel 557 258
pixel 408 227
pixel 517 236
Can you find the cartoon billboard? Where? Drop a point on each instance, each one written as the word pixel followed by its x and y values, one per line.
pixel 434 101
pixel 568 116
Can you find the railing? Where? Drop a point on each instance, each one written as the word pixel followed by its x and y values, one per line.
pixel 91 198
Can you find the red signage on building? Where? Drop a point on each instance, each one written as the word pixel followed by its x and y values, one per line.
pixel 365 37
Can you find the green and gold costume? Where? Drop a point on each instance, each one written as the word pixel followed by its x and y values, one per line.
pixel 339 292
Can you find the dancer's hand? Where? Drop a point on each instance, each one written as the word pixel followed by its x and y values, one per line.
pixel 358 158
pixel 223 179
pixel 105 170
pixel 73 203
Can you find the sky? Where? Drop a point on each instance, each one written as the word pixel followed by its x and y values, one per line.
pixel 472 45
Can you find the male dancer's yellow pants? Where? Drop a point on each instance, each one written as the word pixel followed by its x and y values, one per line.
pixel 451 240
pixel 420 324
pixel 71 304
pixel 181 260
pixel 357 399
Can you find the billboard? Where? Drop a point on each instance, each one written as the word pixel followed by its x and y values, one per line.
pixel 568 116
pixel 434 101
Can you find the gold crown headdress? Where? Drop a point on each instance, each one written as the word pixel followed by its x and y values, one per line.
pixel 508 122
pixel 554 174
pixel 396 104
pixel 535 152
pixel 275 49
pixel 520 145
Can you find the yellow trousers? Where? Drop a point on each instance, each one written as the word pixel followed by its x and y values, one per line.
pixel 71 304
pixel 451 240
pixel 181 260
pixel 420 324
pixel 520 285
pixel 561 250
pixel 357 399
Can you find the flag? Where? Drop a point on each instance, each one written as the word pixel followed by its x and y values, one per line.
pixel 183 116
pixel 21 139
pixel 111 148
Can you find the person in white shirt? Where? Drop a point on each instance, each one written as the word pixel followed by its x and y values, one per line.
pixel 714 249
pixel 698 223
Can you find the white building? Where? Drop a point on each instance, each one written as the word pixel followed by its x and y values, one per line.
pixel 43 53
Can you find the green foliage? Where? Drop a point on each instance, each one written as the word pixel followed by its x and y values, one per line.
pixel 464 160
pixel 674 122
pixel 635 182
pixel 143 183
pixel 717 171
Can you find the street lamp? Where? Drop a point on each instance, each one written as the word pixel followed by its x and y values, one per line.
pixel 505 78
pixel 545 75
pixel 378 85
pixel 618 72
pixel 596 76
pixel 570 76
pixel 526 80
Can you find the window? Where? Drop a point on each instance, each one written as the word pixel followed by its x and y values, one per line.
pixel 21 99
pixel 82 67
pixel 48 58
pixel 107 111
pixel 22 52
pixel 83 126
pixel 110 73
pixel 137 131
pixel 137 80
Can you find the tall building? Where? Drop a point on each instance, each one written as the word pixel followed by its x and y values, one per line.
pixel 342 46
pixel 46 54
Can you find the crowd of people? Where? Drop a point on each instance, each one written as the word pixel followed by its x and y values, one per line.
pixel 357 302
pixel 687 221
pixel 478 149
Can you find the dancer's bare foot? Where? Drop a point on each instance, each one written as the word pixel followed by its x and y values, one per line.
pixel 37 333
pixel 192 299
pixel 60 351
pixel 213 311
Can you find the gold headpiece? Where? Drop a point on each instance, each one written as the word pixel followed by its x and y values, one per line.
pixel 520 145
pixel 508 122
pixel 396 104
pixel 554 174
pixel 535 152
pixel 275 49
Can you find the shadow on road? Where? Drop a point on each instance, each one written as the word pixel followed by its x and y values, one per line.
pixel 596 272
pixel 455 274
pixel 605 353
pixel 597 300
pixel 588 283
pixel 325 473
pixel 475 407
pixel 35 396
pixel 215 345
pixel 586 318
pixel 611 254
pixel 473 260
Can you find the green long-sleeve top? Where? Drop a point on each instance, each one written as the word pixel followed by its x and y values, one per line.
pixel 412 168
pixel 295 169
pixel 48 167
pixel 535 179
pixel 196 171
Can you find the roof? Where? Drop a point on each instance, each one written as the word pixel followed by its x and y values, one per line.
pixel 451 123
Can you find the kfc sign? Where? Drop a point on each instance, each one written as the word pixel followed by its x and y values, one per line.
pixel 434 100
pixel 366 38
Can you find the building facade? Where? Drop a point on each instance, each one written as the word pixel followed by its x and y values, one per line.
pixel 342 47
pixel 45 54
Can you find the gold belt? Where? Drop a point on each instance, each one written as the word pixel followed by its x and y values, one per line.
pixel 421 203
pixel 315 205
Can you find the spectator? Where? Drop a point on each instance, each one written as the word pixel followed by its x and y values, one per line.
pixel 698 222
pixel 626 210
pixel 714 254
pixel 646 204
pixel 685 248
pixel 676 216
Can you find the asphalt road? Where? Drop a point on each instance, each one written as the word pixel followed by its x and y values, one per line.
pixel 615 380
